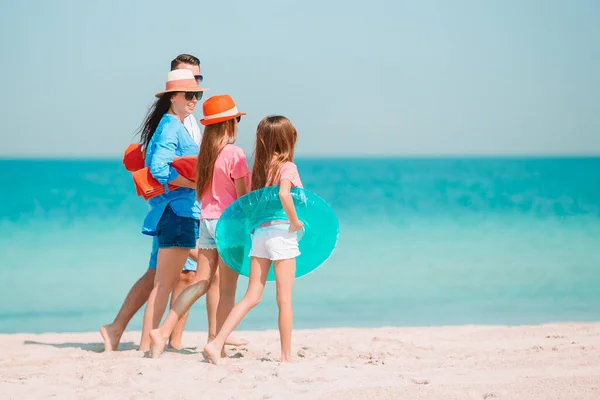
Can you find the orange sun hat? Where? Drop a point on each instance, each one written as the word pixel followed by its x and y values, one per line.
pixel 218 109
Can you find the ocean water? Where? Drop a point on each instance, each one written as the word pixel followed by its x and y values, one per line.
pixel 430 241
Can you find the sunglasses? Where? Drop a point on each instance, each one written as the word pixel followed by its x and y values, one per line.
pixel 238 119
pixel 190 95
pixel 199 78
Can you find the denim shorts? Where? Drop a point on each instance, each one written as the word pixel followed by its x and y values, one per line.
pixel 207 233
pixel 175 231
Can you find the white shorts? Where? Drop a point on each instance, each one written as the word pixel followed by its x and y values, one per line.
pixel 206 239
pixel 275 242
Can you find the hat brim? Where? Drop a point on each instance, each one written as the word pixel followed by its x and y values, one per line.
pixel 184 89
pixel 213 121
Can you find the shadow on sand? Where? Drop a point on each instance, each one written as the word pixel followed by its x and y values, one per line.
pixel 95 347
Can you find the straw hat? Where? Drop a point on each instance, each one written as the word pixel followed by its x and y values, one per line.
pixel 181 80
pixel 218 109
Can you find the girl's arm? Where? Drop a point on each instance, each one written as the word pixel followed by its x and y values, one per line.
pixel 160 166
pixel 240 187
pixel 288 205
pixel 239 172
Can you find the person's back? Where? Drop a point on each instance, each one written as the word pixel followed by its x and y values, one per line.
pixel 276 241
pixel 230 165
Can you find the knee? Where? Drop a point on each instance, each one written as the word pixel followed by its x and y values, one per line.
pixel 198 289
pixel 150 275
pixel 253 299
pixel 284 301
pixel 187 277
pixel 215 280
pixel 227 290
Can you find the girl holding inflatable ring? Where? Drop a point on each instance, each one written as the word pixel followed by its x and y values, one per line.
pixel 274 241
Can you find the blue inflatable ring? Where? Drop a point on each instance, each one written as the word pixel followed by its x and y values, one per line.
pixel 238 221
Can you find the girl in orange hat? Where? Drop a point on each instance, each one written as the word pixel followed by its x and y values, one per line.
pixel 274 241
pixel 222 176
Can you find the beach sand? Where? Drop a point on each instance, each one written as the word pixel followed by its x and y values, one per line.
pixel 555 361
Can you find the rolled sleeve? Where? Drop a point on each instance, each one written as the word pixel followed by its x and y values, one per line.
pixel 160 166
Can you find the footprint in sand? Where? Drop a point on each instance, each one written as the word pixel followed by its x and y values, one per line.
pixel 415 381
pixel 301 353
pixel 377 359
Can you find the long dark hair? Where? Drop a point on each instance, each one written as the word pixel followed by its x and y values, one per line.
pixel 155 114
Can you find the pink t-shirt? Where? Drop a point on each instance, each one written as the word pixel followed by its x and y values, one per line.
pixel 230 165
pixel 290 171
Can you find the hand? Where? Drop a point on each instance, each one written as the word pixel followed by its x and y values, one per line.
pixel 296 226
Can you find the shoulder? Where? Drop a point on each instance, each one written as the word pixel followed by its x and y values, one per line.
pixel 234 151
pixel 289 167
pixel 289 170
pixel 169 125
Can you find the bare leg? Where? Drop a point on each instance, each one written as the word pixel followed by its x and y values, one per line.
pixel 259 268
pixel 227 290
pixel 208 260
pixel 212 304
pixel 285 271
pixel 186 278
pixel 169 265
pixel 137 296
pixel 194 255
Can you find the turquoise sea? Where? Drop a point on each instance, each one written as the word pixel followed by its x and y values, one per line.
pixel 424 241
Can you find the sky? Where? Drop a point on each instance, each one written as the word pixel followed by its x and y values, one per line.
pixel 368 78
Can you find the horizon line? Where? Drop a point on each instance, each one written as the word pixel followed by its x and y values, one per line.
pixel 336 156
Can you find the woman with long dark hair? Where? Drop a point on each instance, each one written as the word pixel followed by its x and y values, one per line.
pixel 174 216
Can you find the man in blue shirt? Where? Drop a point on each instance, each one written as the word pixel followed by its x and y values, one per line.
pixel 140 291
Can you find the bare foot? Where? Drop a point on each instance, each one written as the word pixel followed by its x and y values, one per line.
pixel 174 346
pixel 233 341
pixel 157 343
pixel 111 337
pixel 286 358
pixel 213 353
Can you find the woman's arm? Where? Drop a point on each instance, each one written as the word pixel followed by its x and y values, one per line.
pixel 160 165
pixel 182 181
pixel 288 205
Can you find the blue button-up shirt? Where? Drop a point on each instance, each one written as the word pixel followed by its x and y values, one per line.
pixel 170 140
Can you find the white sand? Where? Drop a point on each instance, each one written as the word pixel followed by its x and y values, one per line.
pixel 559 361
